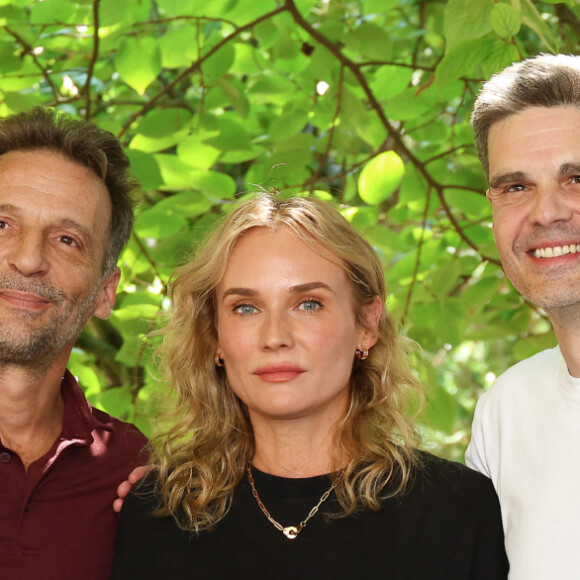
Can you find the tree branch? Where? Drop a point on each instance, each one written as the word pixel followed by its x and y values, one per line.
pixel 86 89
pixel 30 50
pixel 196 65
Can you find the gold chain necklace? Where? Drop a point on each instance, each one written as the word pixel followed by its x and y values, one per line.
pixel 291 532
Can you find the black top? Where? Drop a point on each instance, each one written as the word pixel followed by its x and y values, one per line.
pixel 446 526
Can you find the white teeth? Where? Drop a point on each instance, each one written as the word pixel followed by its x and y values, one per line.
pixel 556 251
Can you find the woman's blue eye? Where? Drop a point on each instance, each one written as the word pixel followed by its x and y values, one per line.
pixel 245 309
pixel 310 305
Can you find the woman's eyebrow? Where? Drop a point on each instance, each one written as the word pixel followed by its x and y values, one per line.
pixel 299 288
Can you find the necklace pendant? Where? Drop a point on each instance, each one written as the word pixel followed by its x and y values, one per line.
pixel 291 532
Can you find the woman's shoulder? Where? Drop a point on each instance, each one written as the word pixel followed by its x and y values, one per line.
pixel 435 475
pixel 145 496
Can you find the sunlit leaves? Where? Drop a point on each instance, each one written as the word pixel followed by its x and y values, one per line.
pixel 466 20
pixel 506 20
pixel 213 99
pixel 381 177
pixel 138 62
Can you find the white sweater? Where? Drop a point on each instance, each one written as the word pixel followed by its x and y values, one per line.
pixel 526 438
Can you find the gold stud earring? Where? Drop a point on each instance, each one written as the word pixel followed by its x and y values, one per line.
pixel 361 354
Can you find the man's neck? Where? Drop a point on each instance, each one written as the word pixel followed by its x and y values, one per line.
pixel 31 410
pixel 566 323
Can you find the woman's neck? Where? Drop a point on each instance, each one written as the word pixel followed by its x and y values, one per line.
pixel 296 448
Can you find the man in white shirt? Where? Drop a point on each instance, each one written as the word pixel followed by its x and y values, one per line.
pixel 526 431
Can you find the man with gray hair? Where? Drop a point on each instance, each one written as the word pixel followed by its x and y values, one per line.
pixel 65 215
pixel 526 431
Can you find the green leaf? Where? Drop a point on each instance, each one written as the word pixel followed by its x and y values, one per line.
pixel 159 123
pixel 145 168
pixel 51 11
pixel 476 296
pixel 247 60
pixel 85 375
pixel 117 402
pixel 156 223
pixel 116 13
pixel 138 62
pixel 466 20
pixel 466 57
pixel 506 20
pixel 235 95
pixel 534 344
pixel 219 62
pixel 213 183
pixel 533 19
pixel 380 177
pixel 444 279
pixel 441 410
pixel 244 12
pixel 178 47
pixel 471 204
pixel 500 55
pixel 204 8
pixel 154 144
pixel 378 6
pixel 232 134
pixel 196 153
pixel 390 81
pixel 186 204
pixel 176 174
pixel 370 41
pixel 23 76
pixel 407 105
pixel 287 125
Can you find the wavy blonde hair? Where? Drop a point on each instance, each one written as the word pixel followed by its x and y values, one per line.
pixel 203 457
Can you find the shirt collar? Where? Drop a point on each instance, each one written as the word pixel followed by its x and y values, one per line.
pixel 78 419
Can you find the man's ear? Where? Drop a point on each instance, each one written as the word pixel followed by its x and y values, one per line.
pixel 371 314
pixel 107 295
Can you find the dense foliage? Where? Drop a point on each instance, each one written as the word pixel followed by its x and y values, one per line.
pixel 217 98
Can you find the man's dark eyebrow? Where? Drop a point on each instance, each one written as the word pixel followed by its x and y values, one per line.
pixel 567 168
pixel 515 176
pixel 9 208
pixel 64 223
pixel 75 226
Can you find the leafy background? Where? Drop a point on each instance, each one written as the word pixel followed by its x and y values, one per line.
pixel 217 98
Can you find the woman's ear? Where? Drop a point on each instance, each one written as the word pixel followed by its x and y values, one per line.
pixel 371 316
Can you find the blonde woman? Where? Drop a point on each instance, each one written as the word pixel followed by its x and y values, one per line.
pixel 290 456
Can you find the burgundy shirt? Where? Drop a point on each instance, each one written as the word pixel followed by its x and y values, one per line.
pixel 57 522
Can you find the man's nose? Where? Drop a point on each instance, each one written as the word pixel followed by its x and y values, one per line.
pixel 549 206
pixel 26 253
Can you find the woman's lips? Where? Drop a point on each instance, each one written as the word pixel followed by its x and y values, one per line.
pixel 279 373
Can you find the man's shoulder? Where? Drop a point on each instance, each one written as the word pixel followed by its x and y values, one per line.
pixel 529 373
pixel 83 421
pixel 126 432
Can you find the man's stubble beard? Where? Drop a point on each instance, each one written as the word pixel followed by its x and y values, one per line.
pixel 24 344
